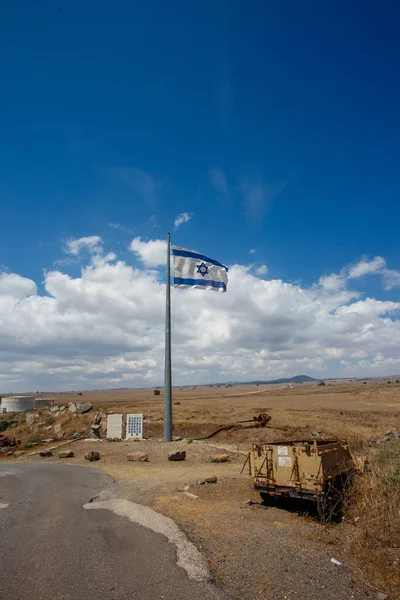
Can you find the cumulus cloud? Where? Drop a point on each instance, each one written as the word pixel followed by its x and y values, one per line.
pixel 367 267
pixel 182 218
pixel 377 266
pixel 92 244
pixel 152 253
pixel 105 328
pixel 391 279
pixel 262 270
pixel 15 286
pixel 333 282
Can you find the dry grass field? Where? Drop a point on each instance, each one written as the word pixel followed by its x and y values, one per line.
pixel 299 548
pixel 355 411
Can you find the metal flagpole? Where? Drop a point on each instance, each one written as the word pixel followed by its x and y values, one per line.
pixel 167 375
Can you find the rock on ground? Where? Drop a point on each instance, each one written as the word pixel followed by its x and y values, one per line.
pixel 220 458
pixel 92 455
pixel 46 453
pixel 138 456
pixel 30 418
pixel 66 454
pixel 180 455
pixel 212 479
pixel 83 407
pixel 191 496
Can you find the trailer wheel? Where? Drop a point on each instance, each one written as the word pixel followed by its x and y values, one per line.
pixel 267 499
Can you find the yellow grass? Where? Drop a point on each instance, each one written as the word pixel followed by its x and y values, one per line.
pixel 374 507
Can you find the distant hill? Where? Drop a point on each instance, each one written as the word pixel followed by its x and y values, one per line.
pixel 295 379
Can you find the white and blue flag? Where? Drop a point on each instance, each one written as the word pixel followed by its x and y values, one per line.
pixel 192 269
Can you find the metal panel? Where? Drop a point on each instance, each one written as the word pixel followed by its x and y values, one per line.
pixel 134 427
pixel 298 467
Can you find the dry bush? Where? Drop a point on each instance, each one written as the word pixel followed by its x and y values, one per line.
pixel 374 507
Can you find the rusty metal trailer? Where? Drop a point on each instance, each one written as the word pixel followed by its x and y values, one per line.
pixel 307 469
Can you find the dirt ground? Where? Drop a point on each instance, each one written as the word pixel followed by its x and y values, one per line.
pixel 353 411
pixel 256 552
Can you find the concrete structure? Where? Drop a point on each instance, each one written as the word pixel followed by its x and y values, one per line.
pixel 17 403
pixel 114 426
pixel 44 402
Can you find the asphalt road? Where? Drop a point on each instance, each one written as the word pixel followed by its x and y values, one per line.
pixel 53 549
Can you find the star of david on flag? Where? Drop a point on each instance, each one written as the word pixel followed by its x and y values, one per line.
pixel 192 269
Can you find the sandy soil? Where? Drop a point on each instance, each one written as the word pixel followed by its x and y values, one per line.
pixel 256 552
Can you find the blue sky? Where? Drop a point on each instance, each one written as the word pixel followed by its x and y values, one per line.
pixel 275 126
pixel 298 97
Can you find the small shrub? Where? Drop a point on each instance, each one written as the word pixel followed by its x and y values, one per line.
pixel 49 421
pixel 6 424
pixel 157 392
pixel 374 506
pixel 36 439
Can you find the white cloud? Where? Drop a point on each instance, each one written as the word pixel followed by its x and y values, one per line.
pixel 219 182
pixel 105 328
pixel 120 227
pixel 391 279
pixel 92 244
pixel 376 266
pixel 333 282
pixel 182 218
pixel 152 253
pixel 153 221
pixel 370 308
pixel 253 251
pixel 15 286
pixel 367 267
pixel 262 270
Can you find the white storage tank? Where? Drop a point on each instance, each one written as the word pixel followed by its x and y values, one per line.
pixel 17 403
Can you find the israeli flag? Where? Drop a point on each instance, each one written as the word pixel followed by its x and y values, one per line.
pixel 192 269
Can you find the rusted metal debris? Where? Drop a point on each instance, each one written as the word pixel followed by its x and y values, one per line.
pixel 260 420
pixel 6 441
pixel 312 469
